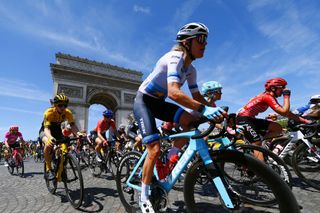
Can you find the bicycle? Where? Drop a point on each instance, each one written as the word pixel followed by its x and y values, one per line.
pixel 129 172
pixel 15 161
pixel 67 170
pixel 306 156
pixel 110 160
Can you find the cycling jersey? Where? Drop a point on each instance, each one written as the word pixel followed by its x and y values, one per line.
pixel 301 110
pixel 12 138
pixel 53 119
pixel 169 69
pixel 258 104
pixel 103 126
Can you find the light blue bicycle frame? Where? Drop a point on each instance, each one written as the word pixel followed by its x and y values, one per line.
pixel 195 146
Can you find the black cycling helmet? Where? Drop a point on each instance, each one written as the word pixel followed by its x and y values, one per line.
pixel 60 98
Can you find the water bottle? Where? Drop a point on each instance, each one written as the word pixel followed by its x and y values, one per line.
pixel 277 149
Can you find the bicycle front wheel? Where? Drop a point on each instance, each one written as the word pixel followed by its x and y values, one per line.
pixel 129 197
pixel 51 184
pixel 73 181
pixel 113 162
pixel 20 168
pixel 260 181
pixel 307 165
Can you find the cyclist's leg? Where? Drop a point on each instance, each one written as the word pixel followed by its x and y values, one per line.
pixel 253 126
pixel 178 143
pixel 48 146
pixel 274 130
pixel 98 148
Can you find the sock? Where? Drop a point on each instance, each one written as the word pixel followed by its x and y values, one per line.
pixel 144 192
pixel 173 151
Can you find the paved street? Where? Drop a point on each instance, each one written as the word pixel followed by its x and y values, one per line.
pixel 29 194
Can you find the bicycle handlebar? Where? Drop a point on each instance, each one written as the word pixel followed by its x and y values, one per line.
pixel 211 127
pixel 313 126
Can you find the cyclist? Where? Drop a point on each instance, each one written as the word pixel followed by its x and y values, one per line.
pixel 272 116
pixel 167 78
pixel 11 141
pixel 134 133
pixel 211 90
pixel 246 116
pixel 123 138
pixel 311 110
pixel 99 133
pixel 51 131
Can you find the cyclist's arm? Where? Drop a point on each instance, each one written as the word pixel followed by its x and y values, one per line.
pixel 198 97
pixel 273 103
pixel 177 95
pixel 74 128
pixel 47 132
pixel 100 136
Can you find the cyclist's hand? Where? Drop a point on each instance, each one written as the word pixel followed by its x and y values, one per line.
pixel 81 134
pixel 286 92
pixel 105 143
pixel 52 140
pixel 214 113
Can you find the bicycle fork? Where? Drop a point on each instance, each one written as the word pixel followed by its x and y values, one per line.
pixel 227 195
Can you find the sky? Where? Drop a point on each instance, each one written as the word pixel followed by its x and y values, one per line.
pixel 249 42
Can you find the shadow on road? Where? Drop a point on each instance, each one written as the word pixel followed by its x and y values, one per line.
pixel 31 174
pixel 94 197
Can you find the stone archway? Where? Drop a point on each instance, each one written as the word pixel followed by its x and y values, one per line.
pixel 88 82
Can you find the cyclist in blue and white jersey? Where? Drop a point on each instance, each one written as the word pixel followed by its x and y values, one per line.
pixel 166 80
pixel 311 110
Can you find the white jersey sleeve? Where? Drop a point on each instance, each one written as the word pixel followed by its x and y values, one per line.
pixel 169 69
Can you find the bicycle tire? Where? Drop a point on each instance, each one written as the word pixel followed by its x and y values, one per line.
pixel 20 168
pixel 128 196
pixel 94 166
pixel 113 162
pixel 304 166
pixel 51 184
pixel 75 197
pixel 10 167
pixel 272 160
pixel 285 198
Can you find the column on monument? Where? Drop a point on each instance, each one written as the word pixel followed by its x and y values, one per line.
pixel 80 113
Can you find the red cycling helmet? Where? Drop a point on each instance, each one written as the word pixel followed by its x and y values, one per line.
pixel 14 128
pixel 275 82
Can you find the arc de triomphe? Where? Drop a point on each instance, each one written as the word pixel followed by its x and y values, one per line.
pixel 88 82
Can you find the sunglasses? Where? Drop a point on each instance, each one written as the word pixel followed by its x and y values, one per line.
pixel 62 105
pixel 280 87
pixel 213 92
pixel 201 39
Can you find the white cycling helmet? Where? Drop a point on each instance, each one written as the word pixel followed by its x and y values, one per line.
pixel 314 99
pixel 191 30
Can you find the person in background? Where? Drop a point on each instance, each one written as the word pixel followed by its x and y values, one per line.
pixel 11 141
pixel 51 131
pixel 99 133
pixel 256 127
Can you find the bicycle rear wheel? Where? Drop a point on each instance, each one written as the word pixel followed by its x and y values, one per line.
pixel 270 159
pixel 260 181
pixel 307 165
pixel 128 196
pixel 73 181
